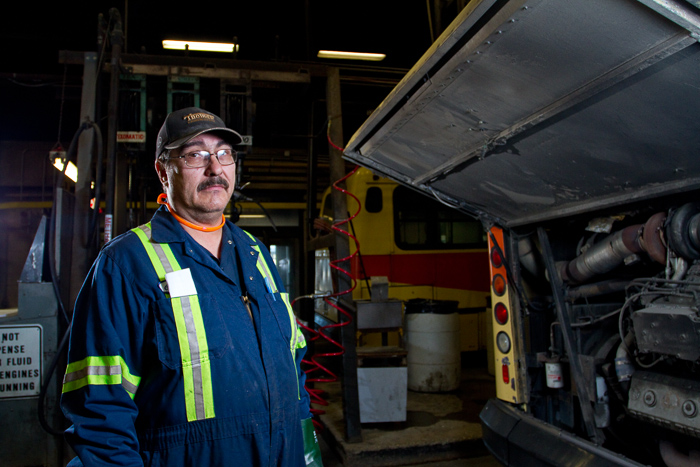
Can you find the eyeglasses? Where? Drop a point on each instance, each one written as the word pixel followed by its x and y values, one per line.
pixel 199 159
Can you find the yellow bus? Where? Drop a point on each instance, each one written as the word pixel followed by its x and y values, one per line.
pixel 425 249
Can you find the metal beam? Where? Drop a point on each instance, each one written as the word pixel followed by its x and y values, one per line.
pixel 222 69
pixel 257 75
pixel 351 401
pixel 160 63
pixel 82 249
pixel 112 214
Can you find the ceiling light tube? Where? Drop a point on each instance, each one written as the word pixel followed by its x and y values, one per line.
pixel 351 55
pixel 199 46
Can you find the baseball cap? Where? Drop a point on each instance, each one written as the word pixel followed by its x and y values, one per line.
pixel 182 125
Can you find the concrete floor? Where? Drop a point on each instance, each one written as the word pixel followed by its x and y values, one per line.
pixel 441 429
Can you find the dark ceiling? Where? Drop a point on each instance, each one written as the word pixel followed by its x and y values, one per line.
pixel 266 30
pixel 41 96
pixel 284 31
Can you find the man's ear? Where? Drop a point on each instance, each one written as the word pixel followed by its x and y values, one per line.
pixel 162 173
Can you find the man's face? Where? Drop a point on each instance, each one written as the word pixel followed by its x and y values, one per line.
pixel 200 194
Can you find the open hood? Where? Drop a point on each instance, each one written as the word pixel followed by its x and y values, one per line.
pixel 525 111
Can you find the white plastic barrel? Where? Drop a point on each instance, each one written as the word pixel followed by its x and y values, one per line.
pixel 432 344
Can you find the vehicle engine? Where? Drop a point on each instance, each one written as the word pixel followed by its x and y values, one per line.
pixel 633 298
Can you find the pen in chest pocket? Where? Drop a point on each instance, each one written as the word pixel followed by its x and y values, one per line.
pixel 270 289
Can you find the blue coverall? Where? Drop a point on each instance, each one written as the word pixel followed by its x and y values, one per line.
pixel 129 389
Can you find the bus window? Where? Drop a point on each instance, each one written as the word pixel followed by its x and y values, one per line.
pixel 459 229
pixel 373 200
pixel 422 223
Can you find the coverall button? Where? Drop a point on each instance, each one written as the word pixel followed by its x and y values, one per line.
pixel 230 242
pixel 251 278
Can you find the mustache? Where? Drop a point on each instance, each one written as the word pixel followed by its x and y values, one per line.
pixel 212 182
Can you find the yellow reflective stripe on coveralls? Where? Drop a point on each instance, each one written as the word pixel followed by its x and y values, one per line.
pixel 298 340
pixel 102 371
pixel 191 335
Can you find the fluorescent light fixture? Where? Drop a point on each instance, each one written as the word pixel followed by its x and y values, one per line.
pixel 71 171
pixel 351 55
pixel 252 216
pixel 199 46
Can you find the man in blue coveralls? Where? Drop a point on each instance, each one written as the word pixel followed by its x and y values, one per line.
pixel 184 349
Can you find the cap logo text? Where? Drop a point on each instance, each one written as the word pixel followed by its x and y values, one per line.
pixel 191 118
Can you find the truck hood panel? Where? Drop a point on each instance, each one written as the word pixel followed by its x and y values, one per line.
pixel 528 111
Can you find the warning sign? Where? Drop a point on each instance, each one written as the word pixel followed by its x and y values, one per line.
pixel 131 136
pixel 20 361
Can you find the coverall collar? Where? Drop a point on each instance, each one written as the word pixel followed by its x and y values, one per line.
pixel 166 229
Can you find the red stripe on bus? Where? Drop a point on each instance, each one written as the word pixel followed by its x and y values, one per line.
pixel 467 271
